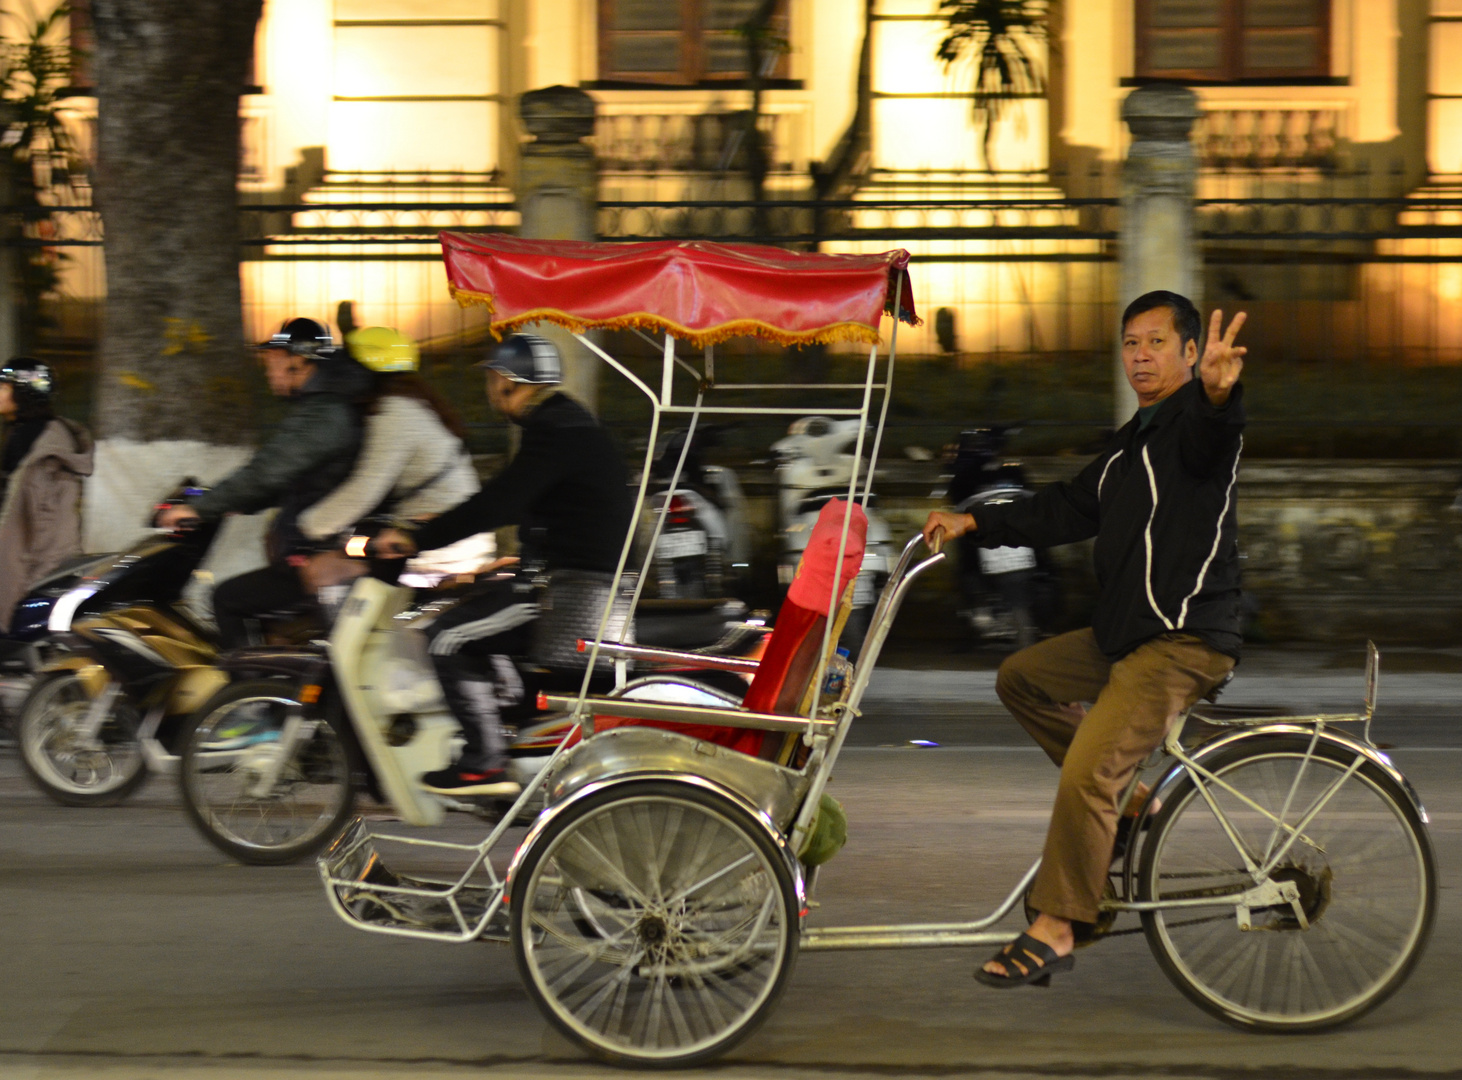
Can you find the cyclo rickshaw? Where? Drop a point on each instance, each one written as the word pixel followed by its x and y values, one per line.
pixel 658 901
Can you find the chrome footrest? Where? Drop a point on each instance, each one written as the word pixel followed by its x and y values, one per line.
pixel 370 896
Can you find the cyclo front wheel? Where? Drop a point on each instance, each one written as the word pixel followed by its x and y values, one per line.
pixel 1363 867
pixel 655 924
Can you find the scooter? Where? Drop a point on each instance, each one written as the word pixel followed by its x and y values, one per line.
pixel 1009 595
pixel 814 463
pixel 128 664
pixel 272 764
pixel 705 547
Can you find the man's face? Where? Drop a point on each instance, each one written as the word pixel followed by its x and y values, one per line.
pixel 286 372
pixel 7 401
pixel 505 396
pixel 1155 359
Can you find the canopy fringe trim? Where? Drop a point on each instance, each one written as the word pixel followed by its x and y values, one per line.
pixel 642 320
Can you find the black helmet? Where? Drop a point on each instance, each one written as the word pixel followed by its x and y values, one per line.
pixel 526 358
pixel 302 337
pixel 33 380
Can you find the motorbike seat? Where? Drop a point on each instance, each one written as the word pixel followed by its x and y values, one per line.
pixel 685 624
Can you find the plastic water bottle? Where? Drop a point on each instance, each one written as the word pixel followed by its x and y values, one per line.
pixel 836 679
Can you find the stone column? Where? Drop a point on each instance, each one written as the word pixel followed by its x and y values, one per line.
pixel 1159 245
pixel 558 193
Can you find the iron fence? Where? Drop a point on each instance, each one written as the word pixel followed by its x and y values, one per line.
pixel 1353 287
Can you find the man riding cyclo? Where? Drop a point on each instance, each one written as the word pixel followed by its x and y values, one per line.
pixel 311 451
pixel 1160 501
pixel 568 492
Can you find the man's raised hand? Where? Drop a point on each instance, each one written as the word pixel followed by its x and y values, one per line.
pixel 1222 360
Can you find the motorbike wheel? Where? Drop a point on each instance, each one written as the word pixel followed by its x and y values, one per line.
pixel 250 797
pixel 75 772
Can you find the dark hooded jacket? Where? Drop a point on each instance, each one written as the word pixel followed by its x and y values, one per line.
pixel 308 455
pixel 1162 505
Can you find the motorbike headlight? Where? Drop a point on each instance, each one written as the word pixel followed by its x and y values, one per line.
pixel 64 610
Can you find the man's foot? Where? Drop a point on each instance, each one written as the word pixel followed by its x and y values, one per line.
pixel 455 780
pixel 245 731
pixel 1041 951
pixel 1024 962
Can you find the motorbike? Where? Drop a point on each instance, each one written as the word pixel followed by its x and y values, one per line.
pixel 814 463
pixel 1009 596
pixel 705 546
pixel 272 764
pixel 27 647
pixel 128 664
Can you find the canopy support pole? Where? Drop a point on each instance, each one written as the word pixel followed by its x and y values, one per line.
pixel 580 712
pixel 836 599
pixel 893 351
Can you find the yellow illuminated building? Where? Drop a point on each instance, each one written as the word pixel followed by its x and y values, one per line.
pixel 414 101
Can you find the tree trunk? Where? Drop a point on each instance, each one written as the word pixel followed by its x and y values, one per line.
pixel 173 393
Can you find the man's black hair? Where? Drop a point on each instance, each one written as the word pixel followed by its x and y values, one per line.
pixel 1186 319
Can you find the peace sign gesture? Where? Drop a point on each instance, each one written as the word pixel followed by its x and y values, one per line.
pixel 1222 359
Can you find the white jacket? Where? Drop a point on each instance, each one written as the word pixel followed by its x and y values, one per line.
pixel 405 445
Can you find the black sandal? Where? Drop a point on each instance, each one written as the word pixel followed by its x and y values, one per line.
pixel 1027 962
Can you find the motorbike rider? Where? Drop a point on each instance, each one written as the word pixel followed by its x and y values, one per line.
pixel 311 451
pixel 567 490
pixel 42 462
pixel 413 458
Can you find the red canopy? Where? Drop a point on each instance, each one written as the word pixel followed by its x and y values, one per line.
pixel 697 291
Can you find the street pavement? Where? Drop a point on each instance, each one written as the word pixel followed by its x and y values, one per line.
pixel 130 949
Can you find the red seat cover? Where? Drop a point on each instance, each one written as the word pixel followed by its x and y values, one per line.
pixel 792 653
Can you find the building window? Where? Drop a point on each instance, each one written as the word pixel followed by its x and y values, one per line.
pixel 1233 40
pixel 683 42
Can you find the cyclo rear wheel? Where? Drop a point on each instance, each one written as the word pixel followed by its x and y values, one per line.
pixel 1363 866
pixel 655 924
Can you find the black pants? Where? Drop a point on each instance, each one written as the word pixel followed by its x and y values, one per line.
pixel 242 599
pixel 472 646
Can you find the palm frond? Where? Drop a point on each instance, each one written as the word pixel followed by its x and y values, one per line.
pixel 999 39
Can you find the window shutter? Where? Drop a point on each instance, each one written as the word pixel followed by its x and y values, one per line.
pixel 1233 40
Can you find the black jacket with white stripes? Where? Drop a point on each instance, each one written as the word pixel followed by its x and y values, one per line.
pixel 1161 503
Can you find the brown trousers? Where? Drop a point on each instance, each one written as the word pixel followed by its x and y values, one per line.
pixel 1136 699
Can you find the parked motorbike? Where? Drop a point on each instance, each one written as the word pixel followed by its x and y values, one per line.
pixel 705 546
pixel 129 664
pixel 814 463
pixel 272 764
pixel 1009 596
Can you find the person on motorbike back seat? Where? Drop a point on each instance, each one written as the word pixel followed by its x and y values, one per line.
pixel 567 490
pixel 413 459
pixel 308 455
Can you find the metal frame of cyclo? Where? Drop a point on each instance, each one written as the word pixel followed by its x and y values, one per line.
pixel 662 404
